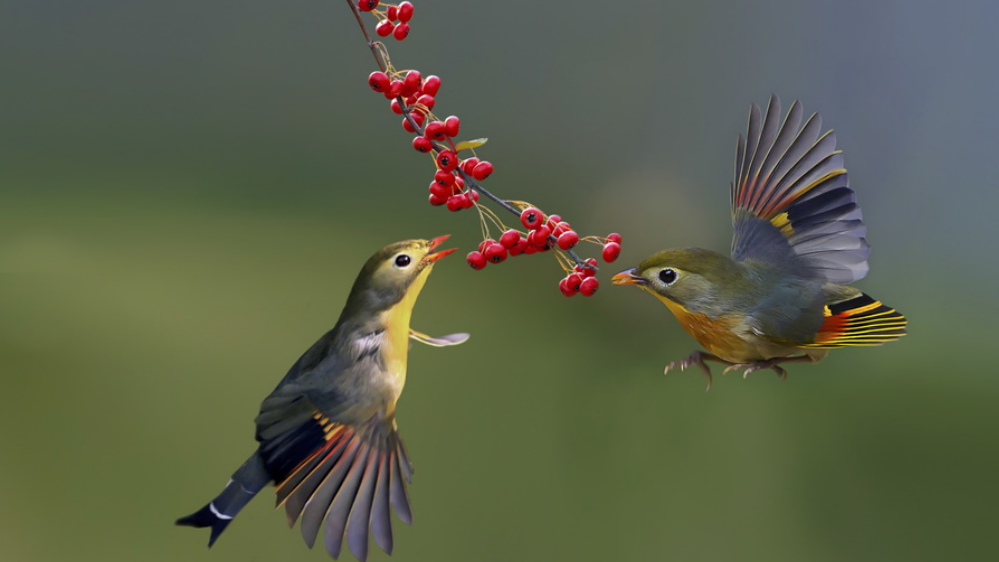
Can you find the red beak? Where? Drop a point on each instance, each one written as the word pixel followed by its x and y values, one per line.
pixel 436 255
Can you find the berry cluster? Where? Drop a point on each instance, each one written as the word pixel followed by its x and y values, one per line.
pixel 456 181
pixel 393 20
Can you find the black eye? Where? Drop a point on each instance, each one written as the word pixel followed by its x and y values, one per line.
pixel 667 276
pixel 402 261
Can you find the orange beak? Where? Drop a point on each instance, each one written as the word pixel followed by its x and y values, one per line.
pixel 433 256
pixel 628 277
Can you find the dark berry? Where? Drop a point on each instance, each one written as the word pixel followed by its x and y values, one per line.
pixel 611 251
pixel 379 81
pixel 482 170
pixel 476 260
pixel 532 218
pixel 405 11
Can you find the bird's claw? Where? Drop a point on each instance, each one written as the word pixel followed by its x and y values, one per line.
pixel 695 358
pixel 757 366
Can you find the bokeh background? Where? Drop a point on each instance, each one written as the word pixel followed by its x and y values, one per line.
pixel 188 188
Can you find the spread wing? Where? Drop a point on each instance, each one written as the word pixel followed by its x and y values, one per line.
pixel 791 202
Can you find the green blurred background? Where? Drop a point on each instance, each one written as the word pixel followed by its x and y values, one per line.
pixel 189 187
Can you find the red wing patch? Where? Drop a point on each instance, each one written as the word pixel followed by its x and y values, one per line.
pixel 859 321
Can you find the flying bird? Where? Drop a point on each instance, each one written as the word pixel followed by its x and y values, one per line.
pixel 783 296
pixel 327 434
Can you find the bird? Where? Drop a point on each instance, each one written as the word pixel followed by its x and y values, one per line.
pixel 327 434
pixel 783 295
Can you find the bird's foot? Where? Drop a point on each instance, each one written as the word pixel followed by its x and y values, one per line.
pixel 696 358
pixel 758 366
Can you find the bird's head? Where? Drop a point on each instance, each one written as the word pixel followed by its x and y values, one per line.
pixel 690 277
pixel 396 272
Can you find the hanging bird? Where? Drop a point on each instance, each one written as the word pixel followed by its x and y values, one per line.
pixel 782 297
pixel 327 434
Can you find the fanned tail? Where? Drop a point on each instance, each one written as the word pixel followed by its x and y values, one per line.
pixel 859 321
pixel 242 487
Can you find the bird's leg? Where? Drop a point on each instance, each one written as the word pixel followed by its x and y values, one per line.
pixel 696 358
pixel 769 364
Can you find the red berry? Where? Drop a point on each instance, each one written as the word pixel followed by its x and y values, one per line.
pixel 476 260
pixel 367 5
pixel 427 101
pixel 539 238
pixel 439 190
pixel 401 31
pixel 574 280
pixel 614 237
pixel 495 252
pixel 452 125
pixel 431 85
pixel 588 269
pixel 472 195
pixel 412 82
pixel 405 11
pixel 567 240
pixel 395 89
pixel 482 170
pixel 445 179
pixel 435 131
pixel 447 160
pixel 469 164
pixel 510 238
pixel 485 244
pixel 437 200
pixel 554 220
pixel 393 13
pixel 455 203
pixel 422 144
pixel 379 81
pixel 417 116
pixel 532 218
pixel 396 108
pixel 384 28
pixel 563 286
pixel 520 248
pixel 611 251
pixel 589 286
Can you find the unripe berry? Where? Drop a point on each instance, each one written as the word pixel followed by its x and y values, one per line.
pixel 589 286
pixel 405 11
pixel 379 81
pixel 482 170
pixel 367 5
pixel 567 240
pixel 431 85
pixel 452 125
pixel 495 252
pixel 611 251
pixel 401 31
pixel 510 238
pixel 447 160
pixel 384 28
pixel 476 260
pixel 532 218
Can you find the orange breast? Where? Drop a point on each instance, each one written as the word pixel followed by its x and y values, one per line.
pixel 717 335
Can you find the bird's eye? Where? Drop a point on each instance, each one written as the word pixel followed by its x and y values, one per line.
pixel 402 260
pixel 667 276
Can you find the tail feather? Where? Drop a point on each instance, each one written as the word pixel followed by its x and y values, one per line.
pixel 242 487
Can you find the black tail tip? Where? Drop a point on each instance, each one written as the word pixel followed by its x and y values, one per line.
pixel 206 517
